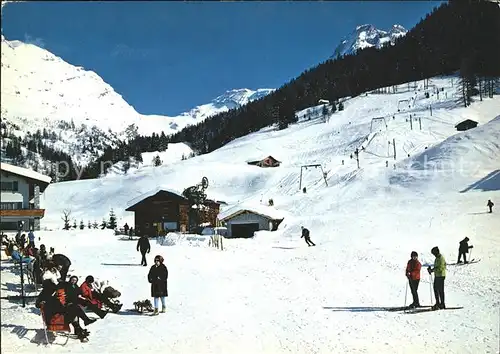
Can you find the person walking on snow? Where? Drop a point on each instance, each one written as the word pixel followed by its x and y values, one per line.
pixel 305 235
pixel 490 205
pixel 413 274
pixel 144 247
pixel 439 276
pixel 463 249
pixel 157 276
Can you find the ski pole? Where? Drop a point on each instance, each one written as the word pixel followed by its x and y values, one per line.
pixel 430 286
pixel 406 293
pixel 470 255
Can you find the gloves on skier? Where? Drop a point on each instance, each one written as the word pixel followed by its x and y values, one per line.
pixel 429 269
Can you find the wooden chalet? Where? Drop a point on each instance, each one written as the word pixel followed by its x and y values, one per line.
pixel 163 210
pixel 268 161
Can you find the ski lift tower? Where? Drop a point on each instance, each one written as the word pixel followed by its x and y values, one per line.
pixel 314 166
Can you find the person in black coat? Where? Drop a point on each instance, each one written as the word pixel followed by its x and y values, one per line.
pixel 463 249
pixel 63 262
pixel 158 275
pixel 305 235
pixel 144 247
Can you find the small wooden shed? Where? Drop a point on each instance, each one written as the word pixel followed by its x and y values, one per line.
pixel 243 221
pixel 268 161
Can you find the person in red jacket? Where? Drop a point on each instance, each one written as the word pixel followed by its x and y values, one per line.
pixel 96 297
pixel 413 274
pixel 88 291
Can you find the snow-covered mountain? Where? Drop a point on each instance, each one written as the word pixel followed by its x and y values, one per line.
pixel 41 91
pixel 368 36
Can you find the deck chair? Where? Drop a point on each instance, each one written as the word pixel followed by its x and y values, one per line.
pixel 56 325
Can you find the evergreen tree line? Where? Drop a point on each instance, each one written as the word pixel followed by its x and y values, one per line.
pixel 105 224
pixel 454 35
pixel 34 144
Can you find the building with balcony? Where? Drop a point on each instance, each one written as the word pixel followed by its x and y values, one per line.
pixel 20 197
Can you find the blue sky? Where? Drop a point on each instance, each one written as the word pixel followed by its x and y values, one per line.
pixel 168 57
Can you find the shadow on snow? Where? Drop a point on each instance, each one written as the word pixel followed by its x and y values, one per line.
pixel 491 182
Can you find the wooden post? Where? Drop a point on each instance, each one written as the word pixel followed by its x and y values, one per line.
pixel 430 108
pixel 300 183
pixel 394 146
pixel 22 281
pixel 411 123
pixel 420 122
pixel 324 175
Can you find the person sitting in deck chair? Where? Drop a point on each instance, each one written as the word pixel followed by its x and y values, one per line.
pixel 52 301
pixel 74 294
pixel 96 297
pixel 17 257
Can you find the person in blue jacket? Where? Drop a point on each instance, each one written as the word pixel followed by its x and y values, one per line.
pixel 31 239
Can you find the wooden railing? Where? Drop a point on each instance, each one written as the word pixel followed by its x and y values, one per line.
pixel 23 212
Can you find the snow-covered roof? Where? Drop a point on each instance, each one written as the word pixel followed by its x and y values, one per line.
pixel 21 171
pixel 151 193
pixel 260 158
pixel 264 210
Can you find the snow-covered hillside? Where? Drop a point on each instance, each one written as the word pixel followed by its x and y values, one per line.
pixel 312 141
pixel 41 91
pixel 272 293
pixel 366 36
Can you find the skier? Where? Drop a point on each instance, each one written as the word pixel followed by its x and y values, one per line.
pixel 305 235
pixel 490 205
pixel 463 249
pixel 125 228
pixel 144 246
pixel 413 274
pixel 157 276
pixel 439 276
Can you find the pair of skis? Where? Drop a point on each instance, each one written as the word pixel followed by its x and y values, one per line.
pixel 413 310
pixel 472 261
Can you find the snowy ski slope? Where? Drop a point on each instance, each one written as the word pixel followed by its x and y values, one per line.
pixel 273 294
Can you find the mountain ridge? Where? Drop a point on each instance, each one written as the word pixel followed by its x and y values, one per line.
pixel 366 36
pixel 41 91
